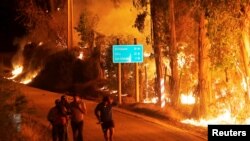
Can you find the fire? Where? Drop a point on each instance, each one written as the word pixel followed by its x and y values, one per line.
pixel 17 71
pixel 151 100
pixel 187 99
pixel 244 85
pixel 181 60
pixel 80 56
pixel 29 77
pixel 225 118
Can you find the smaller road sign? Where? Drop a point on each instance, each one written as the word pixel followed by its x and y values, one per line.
pixel 127 53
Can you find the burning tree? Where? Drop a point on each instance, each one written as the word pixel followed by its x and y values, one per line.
pixel 211 32
pixel 224 22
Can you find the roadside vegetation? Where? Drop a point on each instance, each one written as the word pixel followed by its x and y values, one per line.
pixel 14 103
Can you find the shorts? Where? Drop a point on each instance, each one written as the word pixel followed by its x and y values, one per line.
pixel 107 124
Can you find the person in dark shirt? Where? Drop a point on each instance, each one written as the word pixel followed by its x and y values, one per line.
pixel 103 112
pixel 66 105
pixel 57 118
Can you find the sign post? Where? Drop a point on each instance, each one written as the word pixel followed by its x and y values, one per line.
pixel 137 90
pixel 119 80
pixel 128 54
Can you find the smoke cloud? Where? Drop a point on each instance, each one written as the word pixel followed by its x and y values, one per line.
pixel 114 18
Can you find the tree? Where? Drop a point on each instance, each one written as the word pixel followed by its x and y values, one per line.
pixel 40 25
pixel 245 9
pixel 174 81
pixel 203 63
pixel 158 15
pixel 85 28
pixel 222 23
pixel 159 29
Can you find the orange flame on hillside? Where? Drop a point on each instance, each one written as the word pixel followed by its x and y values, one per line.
pixel 151 100
pixel 187 99
pixel 227 115
pixel 29 77
pixel 225 118
pixel 18 69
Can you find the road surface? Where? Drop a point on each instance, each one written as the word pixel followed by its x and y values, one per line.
pixel 127 127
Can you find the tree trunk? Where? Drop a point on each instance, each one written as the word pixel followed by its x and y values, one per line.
pixel 174 85
pixel 158 17
pixel 245 50
pixel 52 6
pixel 245 59
pixel 203 74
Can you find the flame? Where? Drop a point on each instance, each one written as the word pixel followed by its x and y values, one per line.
pixel 29 77
pixel 181 59
pixel 187 99
pixel 225 118
pixel 244 84
pixel 246 40
pixel 16 71
pixel 151 100
pixel 80 56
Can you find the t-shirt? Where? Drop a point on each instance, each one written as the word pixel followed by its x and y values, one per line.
pixel 105 112
pixel 56 117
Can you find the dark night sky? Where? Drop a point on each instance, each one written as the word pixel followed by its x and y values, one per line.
pixel 9 28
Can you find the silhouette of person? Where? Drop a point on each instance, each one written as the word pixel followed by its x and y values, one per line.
pixel 103 112
pixel 58 118
pixel 78 110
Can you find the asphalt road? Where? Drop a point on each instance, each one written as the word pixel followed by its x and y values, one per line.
pixel 127 127
pixel 131 128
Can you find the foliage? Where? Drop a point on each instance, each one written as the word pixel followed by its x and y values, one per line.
pixel 140 20
pixel 11 101
pixel 63 69
pixel 139 4
pixel 224 32
pixel 42 25
pixel 85 28
pixel 57 72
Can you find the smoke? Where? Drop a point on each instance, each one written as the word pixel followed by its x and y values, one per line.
pixel 28 60
pixel 18 58
pixel 115 17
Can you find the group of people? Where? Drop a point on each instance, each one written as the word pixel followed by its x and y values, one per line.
pixel 64 113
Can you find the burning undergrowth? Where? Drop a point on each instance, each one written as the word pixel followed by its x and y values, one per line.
pixel 51 69
pixel 230 105
pixel 62 70
pixel 28 61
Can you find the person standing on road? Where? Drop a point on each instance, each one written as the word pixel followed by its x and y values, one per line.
pixel 66 105
pixel 78 110
pixel 103 112
pixel 58 119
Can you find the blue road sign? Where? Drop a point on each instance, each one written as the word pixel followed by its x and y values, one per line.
pixel 127 53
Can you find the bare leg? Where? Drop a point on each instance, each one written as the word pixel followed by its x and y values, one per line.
pixel 106 135
pixel 111 132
